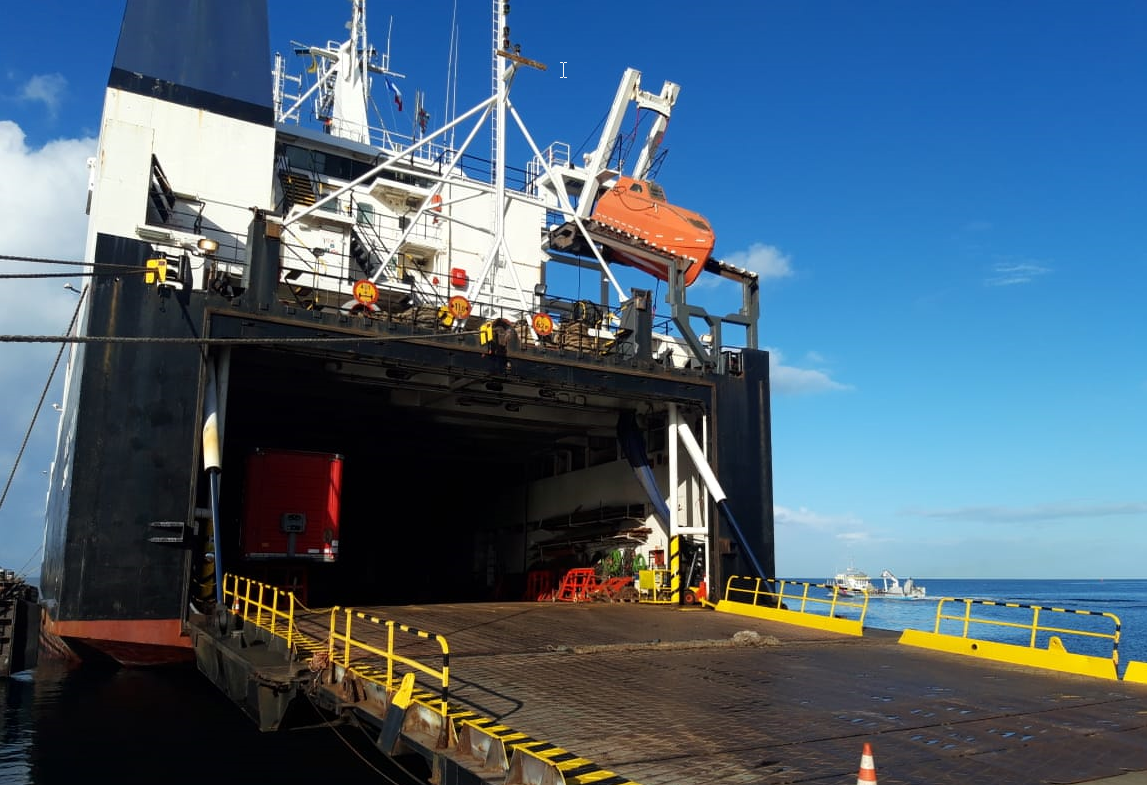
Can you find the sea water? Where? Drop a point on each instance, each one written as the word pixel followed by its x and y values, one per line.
pixel 1115 624
pixel 166 726
pixel 59 726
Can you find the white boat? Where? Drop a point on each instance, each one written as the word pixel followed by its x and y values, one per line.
pixel 851 582
pixel 893 589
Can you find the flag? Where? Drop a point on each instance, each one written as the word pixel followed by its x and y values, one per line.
pixel 397 93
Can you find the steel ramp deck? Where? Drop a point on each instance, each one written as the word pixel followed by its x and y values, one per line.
pixel 662 696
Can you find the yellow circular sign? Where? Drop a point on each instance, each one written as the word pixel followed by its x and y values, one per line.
pixel 365 292
pixel 543 324
pixel 459 306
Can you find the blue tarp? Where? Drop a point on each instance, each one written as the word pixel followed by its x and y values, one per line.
pixel 634 446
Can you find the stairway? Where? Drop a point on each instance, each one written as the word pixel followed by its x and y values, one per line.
pixel 363 254
pixel 297 189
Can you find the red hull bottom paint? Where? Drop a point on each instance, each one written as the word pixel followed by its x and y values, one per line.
pixel 131 643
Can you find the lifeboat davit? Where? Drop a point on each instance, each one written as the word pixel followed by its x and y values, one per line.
pixel 643 230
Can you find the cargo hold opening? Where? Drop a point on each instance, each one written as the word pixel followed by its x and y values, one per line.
pixel 450 489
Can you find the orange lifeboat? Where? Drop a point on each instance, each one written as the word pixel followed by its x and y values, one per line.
pixel 643 230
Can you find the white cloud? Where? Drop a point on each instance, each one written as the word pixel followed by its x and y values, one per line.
pixel 767 261
pixel 1011 273
pixel 1035 513
pixel 807 542
pixel 783 516
pixel 47 89
pixel 42 207
pixel 787 379
pixel 41 216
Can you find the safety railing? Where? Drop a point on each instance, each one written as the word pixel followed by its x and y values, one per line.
pixel 793 596
pixel 353 653
pixel 265 606
pixel 1032 630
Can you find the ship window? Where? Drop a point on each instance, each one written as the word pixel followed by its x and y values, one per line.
pixel 342 168
pixel 656 192
pixel 365 213
pixel 636 187
pixel 298 158
pixel 698 223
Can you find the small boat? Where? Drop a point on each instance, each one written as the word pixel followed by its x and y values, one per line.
pixel 642 229
pixel 851 583
pixel 893 589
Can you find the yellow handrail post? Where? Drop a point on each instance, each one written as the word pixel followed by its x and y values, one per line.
pixel 389 654
pixel 346 638
pixel 291 623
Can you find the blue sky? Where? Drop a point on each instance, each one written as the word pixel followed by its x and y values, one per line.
pixel 946 202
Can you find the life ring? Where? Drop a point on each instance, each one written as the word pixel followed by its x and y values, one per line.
pixel 436 203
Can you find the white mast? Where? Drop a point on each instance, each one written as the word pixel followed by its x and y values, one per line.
pixel 500 68
pixel 352 82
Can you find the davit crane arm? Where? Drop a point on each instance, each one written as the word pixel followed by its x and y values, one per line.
pixel 595 171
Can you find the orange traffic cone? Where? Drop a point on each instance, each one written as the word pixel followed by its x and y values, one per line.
pixel 867 775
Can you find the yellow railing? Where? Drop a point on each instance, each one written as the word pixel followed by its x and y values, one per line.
pixel 263 605
pixel 791 603
pixel 797 598
pixel 1034 628
pixel 345 649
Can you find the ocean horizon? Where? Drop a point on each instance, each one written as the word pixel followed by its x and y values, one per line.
pixel 1100 602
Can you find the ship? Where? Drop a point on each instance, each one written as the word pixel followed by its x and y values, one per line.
pixel 850 583
pixel 339 357
pixel 331 399
pixel 892 588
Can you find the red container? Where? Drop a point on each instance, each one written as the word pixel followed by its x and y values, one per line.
pixel 291 505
